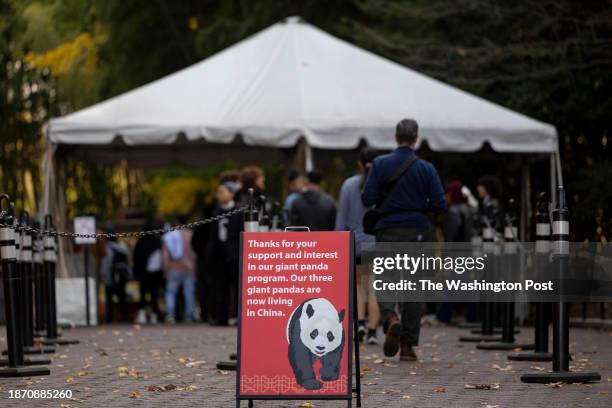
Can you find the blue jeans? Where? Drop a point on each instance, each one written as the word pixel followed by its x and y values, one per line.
pixel 174 281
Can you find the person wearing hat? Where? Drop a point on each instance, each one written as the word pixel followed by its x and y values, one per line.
pixel 222 252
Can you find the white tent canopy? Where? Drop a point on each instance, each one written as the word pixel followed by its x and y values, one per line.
pixel 293 80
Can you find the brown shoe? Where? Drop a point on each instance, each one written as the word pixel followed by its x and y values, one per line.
pixel 407 353
pixel 392 338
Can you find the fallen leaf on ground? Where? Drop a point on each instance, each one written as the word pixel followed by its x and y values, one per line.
pixel 307 405
pixel 558 384
pixel 379 361
pixel 135 394
pixel 406 397
pixel 440 389
pixel 508 367
pixel 493 386
pixel 69 380
pixel 603 392
pixel 450 365
pixel 101 351
pixel 163 388
pixel 196 364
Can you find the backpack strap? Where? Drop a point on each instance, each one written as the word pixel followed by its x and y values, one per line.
pixel 392 182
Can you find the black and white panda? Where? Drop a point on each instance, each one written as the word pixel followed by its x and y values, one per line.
pixel 315 331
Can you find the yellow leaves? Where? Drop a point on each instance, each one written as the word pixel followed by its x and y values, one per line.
pixel 135 394
pixel 179 196
pixel 193 23
pixel 81 52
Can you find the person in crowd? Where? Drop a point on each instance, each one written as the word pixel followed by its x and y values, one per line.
pixel 222 251
pixel 179 269
pixel 349 218
pixel 250 177
pixel 458 224
pixel 489 192
pixel 404 219
pixel 148 270
pixel 115 273
pixel 314 208
pixel 457 228
pixel 296 185
pixel 199 242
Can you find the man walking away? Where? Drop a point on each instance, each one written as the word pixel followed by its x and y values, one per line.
pixel 314 208
pixel 415 192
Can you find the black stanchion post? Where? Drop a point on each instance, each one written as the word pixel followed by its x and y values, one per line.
pixel 510 266
pixel 86 267
pixel 26 265
pixel 560 259
pixel 251 224
pixel 542 310
pixel 488 310
pixel 25 298
pixel 39 285
pixel 12 282
pixel 50 258
pixel 264 221
pixel 476 252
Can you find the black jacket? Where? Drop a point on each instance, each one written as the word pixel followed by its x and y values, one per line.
pixel 229 248
pixel 314 209
pixel 143 249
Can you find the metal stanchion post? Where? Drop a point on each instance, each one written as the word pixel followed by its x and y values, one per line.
pixel 39 285
pixel 251 224
pixel 542 310
pixel 560 259
pixel 476 252
pixel 12 282
pixel 509 265
pixel 488 313
pixel 50 258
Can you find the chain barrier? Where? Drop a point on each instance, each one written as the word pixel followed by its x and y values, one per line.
pixel 159 231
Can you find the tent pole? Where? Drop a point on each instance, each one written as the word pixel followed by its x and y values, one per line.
pixel 308 157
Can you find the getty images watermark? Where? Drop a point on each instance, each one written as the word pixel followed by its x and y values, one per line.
pixel 464 272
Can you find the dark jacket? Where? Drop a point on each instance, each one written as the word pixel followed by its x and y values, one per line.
pixel 228 248
pixel 143 249
pixel 458 226
pixel 314 209
pixel 419 188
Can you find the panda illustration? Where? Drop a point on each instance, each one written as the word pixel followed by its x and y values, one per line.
pixel 315 331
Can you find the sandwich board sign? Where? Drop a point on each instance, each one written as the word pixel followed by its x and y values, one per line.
pixel 85 225
pixel 295 337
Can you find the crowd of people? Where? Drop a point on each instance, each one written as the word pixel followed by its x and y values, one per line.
pixel 197 271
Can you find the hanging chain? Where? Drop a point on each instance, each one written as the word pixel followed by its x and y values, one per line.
pixel 159 231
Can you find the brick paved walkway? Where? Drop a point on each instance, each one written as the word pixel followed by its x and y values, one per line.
pixel 173 366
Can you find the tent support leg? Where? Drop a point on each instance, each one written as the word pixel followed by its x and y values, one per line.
pixel 308 157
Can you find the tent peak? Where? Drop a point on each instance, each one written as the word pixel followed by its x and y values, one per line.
pixel 293 20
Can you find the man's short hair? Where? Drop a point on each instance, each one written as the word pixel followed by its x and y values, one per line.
pixel 314 177
pixel 293 174
pixel 407 131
